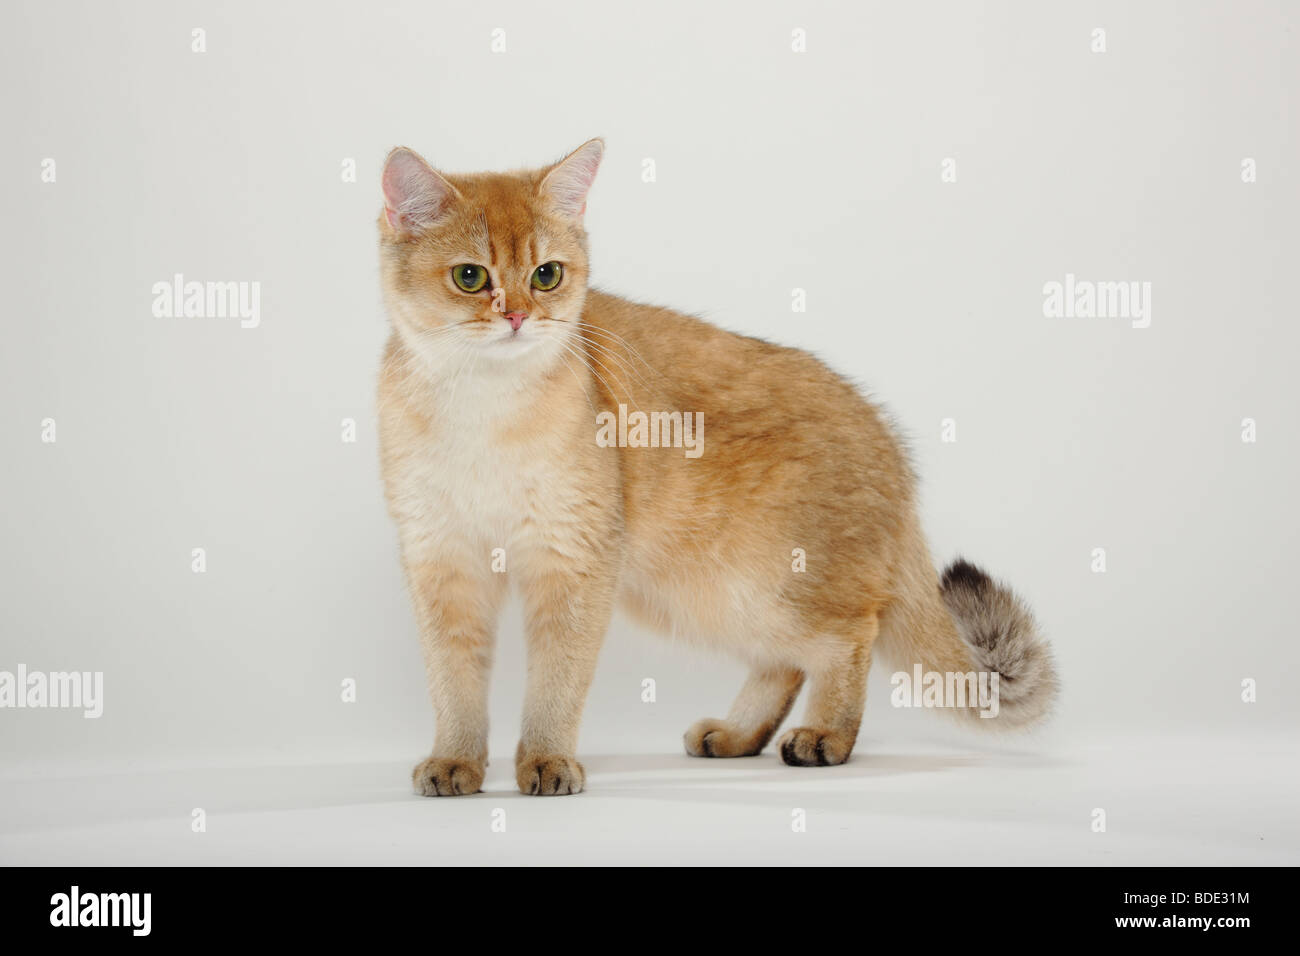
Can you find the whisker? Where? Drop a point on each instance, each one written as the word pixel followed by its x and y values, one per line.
pixel 583 359
pixel 626 390
pixel 614 356
pixel 582 385
pixel 620 340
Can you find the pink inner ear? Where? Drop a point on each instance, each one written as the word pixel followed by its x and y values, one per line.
pixel 414 195
pixel 569 182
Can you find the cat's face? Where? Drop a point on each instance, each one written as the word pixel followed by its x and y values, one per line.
pixel 489 267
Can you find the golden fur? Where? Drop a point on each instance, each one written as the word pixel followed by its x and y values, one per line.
pixel 489 454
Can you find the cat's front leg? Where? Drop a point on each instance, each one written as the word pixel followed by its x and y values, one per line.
pixel 568 603
pixel 456 612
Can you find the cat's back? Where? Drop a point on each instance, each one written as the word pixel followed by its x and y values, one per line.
pixel 740 379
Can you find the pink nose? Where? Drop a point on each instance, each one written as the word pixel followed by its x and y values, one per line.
pixel 516 319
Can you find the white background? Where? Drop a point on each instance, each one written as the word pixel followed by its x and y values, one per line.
pixel 775 170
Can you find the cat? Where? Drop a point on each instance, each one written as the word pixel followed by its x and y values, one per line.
pixel 791 539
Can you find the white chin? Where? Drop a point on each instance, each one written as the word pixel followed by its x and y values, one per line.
pixel 511 345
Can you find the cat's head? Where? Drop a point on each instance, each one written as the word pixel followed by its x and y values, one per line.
pixel 493 264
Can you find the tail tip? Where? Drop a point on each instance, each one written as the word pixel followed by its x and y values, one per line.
pixel 1004 637
pixel 961 574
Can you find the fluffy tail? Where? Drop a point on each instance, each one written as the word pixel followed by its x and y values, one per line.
pixel 968 622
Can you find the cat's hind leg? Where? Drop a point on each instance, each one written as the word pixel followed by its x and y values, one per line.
pixel 837 693
pixel 763 703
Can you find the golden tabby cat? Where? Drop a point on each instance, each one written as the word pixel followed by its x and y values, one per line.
pixel 603 453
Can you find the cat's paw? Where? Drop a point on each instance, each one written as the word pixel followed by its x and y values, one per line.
pixel 811 747
pixel 447 777
pixel 717 738
pixel 549 775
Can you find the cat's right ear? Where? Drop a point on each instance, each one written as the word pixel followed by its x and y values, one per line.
pixel 415 194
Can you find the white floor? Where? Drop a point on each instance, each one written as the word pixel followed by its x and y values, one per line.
pixel 1190 801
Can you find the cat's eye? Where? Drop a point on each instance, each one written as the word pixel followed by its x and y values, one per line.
pixel 547 277
pixel 470 278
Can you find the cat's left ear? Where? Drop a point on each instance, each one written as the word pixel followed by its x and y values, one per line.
pixel 569 180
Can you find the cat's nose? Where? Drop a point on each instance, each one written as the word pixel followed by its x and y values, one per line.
pixel 516 319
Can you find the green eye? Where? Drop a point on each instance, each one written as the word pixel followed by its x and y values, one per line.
pixel 470 278
pixel 547 277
